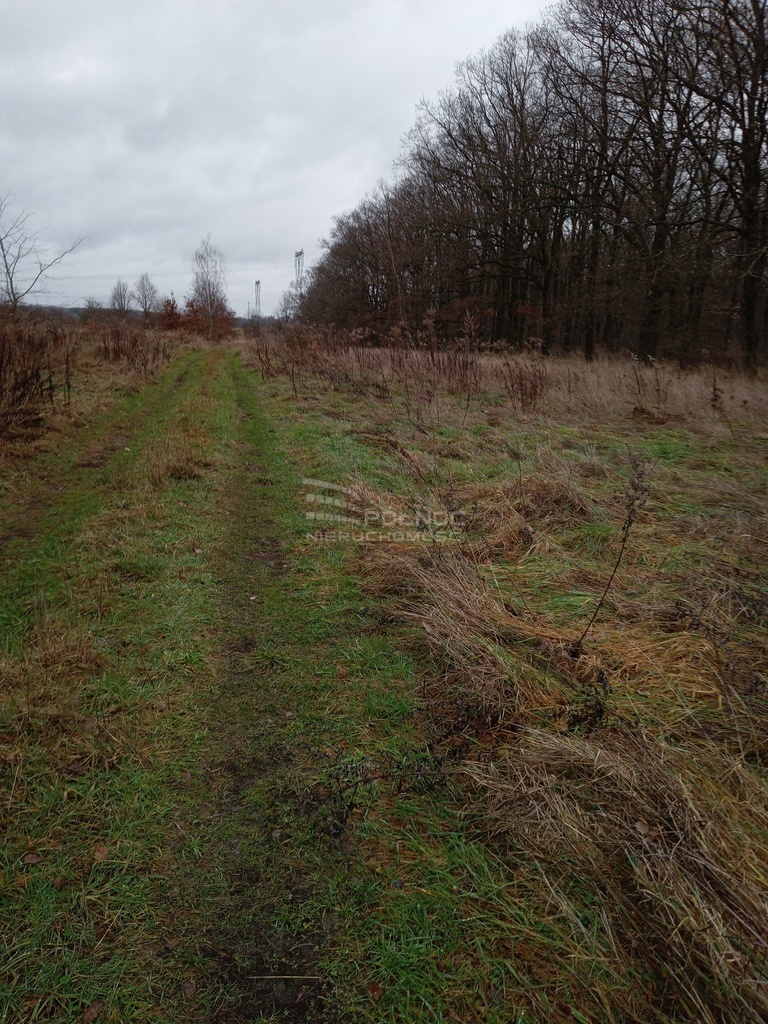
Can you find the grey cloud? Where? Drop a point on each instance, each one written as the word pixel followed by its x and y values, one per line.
pixel 146 126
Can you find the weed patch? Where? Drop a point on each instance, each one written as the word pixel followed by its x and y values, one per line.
pixel 591 655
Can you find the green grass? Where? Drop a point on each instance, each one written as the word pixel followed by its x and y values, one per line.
pixel 106 614
pixel 460 917
pixel 234 755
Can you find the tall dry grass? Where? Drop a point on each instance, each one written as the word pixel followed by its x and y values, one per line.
pixel 433 383
pixel 650 856
pixel 42 358
pixel 619 759
pixel 624 780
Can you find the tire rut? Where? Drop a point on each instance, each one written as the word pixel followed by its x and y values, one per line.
pixel 22 520
pixel 267 968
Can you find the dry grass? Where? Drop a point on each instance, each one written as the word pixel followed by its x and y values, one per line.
pixel 621 777
pixel 462 384
pixel 55 367
pixel 171 460
pixel 54 653
pixel 671 838
pixel 629 780
pixel 49 693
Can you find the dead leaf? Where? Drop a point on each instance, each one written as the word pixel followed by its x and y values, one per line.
pixel 32 858
pixel 100 853
pixel 645 829
pixel 489 991
pixel 93 1011
pixel 375 991
pixel 189 988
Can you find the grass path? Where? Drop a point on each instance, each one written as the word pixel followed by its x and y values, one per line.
pixel 194 709
pixel 128 746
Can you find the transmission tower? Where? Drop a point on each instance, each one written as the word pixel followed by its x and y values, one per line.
pixel 298 258
pixel 257 296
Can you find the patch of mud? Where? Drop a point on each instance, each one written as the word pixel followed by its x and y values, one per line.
pixel 274 560
pixel 16 532
pixel 266 952
pixel 268 965
pixel 99 457
pixel 288 984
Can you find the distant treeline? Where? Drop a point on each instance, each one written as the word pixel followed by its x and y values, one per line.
pixel 597 182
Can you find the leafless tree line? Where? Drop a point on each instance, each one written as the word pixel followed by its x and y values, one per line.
pixel 597 182
pixel 144 295
pixel 206 311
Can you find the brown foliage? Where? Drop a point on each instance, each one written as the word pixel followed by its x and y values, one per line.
pixel 215 324
pixel 170 316
pixel 35 359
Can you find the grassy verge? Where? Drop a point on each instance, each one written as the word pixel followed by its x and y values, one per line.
pixel 107 611
pixel 197 708
pixel 584 837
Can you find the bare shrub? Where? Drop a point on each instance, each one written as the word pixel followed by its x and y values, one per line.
pixel 139 349
pixel 525 382
pixel 35 365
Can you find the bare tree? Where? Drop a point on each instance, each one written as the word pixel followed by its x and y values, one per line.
pixel 146 296
pixel 600 182
pixel 732 79
pixel 208 297
pixel 120 299
pixel 290 304
pixel 24 259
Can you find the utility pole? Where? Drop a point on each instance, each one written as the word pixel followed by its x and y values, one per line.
pixel 257 296
pixel 298 258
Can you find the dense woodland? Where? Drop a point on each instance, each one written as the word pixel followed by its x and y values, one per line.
pixel 599 182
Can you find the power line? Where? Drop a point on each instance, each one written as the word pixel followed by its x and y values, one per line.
pixel 238 268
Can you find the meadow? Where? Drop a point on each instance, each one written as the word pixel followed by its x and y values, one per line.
pixel 577 554
pixel 390 683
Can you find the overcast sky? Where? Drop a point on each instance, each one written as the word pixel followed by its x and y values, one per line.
pixel 144 126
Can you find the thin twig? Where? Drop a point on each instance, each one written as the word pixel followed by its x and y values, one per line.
pixel 284 977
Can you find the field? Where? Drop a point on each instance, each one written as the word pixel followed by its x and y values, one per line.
pixel 396 684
